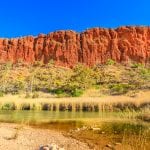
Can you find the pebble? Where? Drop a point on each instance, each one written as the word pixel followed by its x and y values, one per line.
pixel 117 143
pixel 110 146
pixel 96 129
pixel 52 146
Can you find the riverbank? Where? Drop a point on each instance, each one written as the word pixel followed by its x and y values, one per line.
pixel 21 137
pixel 87 136
pixel 109 122
pixel 104 103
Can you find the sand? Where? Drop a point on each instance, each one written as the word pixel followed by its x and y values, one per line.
pixel 21 137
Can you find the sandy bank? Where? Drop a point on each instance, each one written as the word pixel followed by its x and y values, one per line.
pixel 20 137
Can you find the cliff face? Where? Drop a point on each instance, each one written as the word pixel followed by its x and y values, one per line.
pixel 67 48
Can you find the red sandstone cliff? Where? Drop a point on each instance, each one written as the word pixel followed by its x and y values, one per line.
pixel 68 48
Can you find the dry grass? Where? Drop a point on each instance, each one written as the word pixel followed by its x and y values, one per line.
pixel 114 135
pixel 85 103
pixel 142 96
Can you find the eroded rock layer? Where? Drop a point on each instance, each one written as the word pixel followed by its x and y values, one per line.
pixel 67 48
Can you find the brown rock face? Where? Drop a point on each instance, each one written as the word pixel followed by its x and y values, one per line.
pixel 67 48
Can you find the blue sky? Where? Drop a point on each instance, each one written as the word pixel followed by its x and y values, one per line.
pixel 30 17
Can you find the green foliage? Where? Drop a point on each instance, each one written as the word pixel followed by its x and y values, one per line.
pixel 123 127
pixel 117 89
pixel 1 94
pixel 69 92
pixel 71 82
pixel 110 62
pixel 76 92
pixel 136 65
pixel 59 92
pixel 8 106
pixel 145 73
pixel 82 77
pixel 8 65
pixel 51 62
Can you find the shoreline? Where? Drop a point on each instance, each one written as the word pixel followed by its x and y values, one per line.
pixel 22 137
pixel 67 136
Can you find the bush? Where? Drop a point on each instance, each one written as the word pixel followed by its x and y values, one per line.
pixel 8 106
pixel 76 92
pixel 1 94
pixel 70 91
pixel 59 92
pixel 110 62
pixel 136 65
pixel 117 89
pixel 51 63
pixel 72 82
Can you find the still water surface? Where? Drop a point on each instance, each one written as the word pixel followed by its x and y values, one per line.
pixel 47 116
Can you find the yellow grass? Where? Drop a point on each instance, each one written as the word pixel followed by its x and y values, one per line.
pixel 143 96
pixel 103 103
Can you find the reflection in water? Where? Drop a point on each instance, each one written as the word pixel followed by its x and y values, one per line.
pixel 47 116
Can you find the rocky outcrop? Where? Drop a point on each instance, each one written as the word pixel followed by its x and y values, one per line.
pixel 67 48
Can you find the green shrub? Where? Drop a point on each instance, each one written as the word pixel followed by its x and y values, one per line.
pixel 59 92
pixel 82 77
pixel 1 94
pixel 8 106
pixel 110 62
pixel 136 65
pixel 51 62
pixel 117 89
pixel 76 92
pixel 145 73
pixel 72 82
